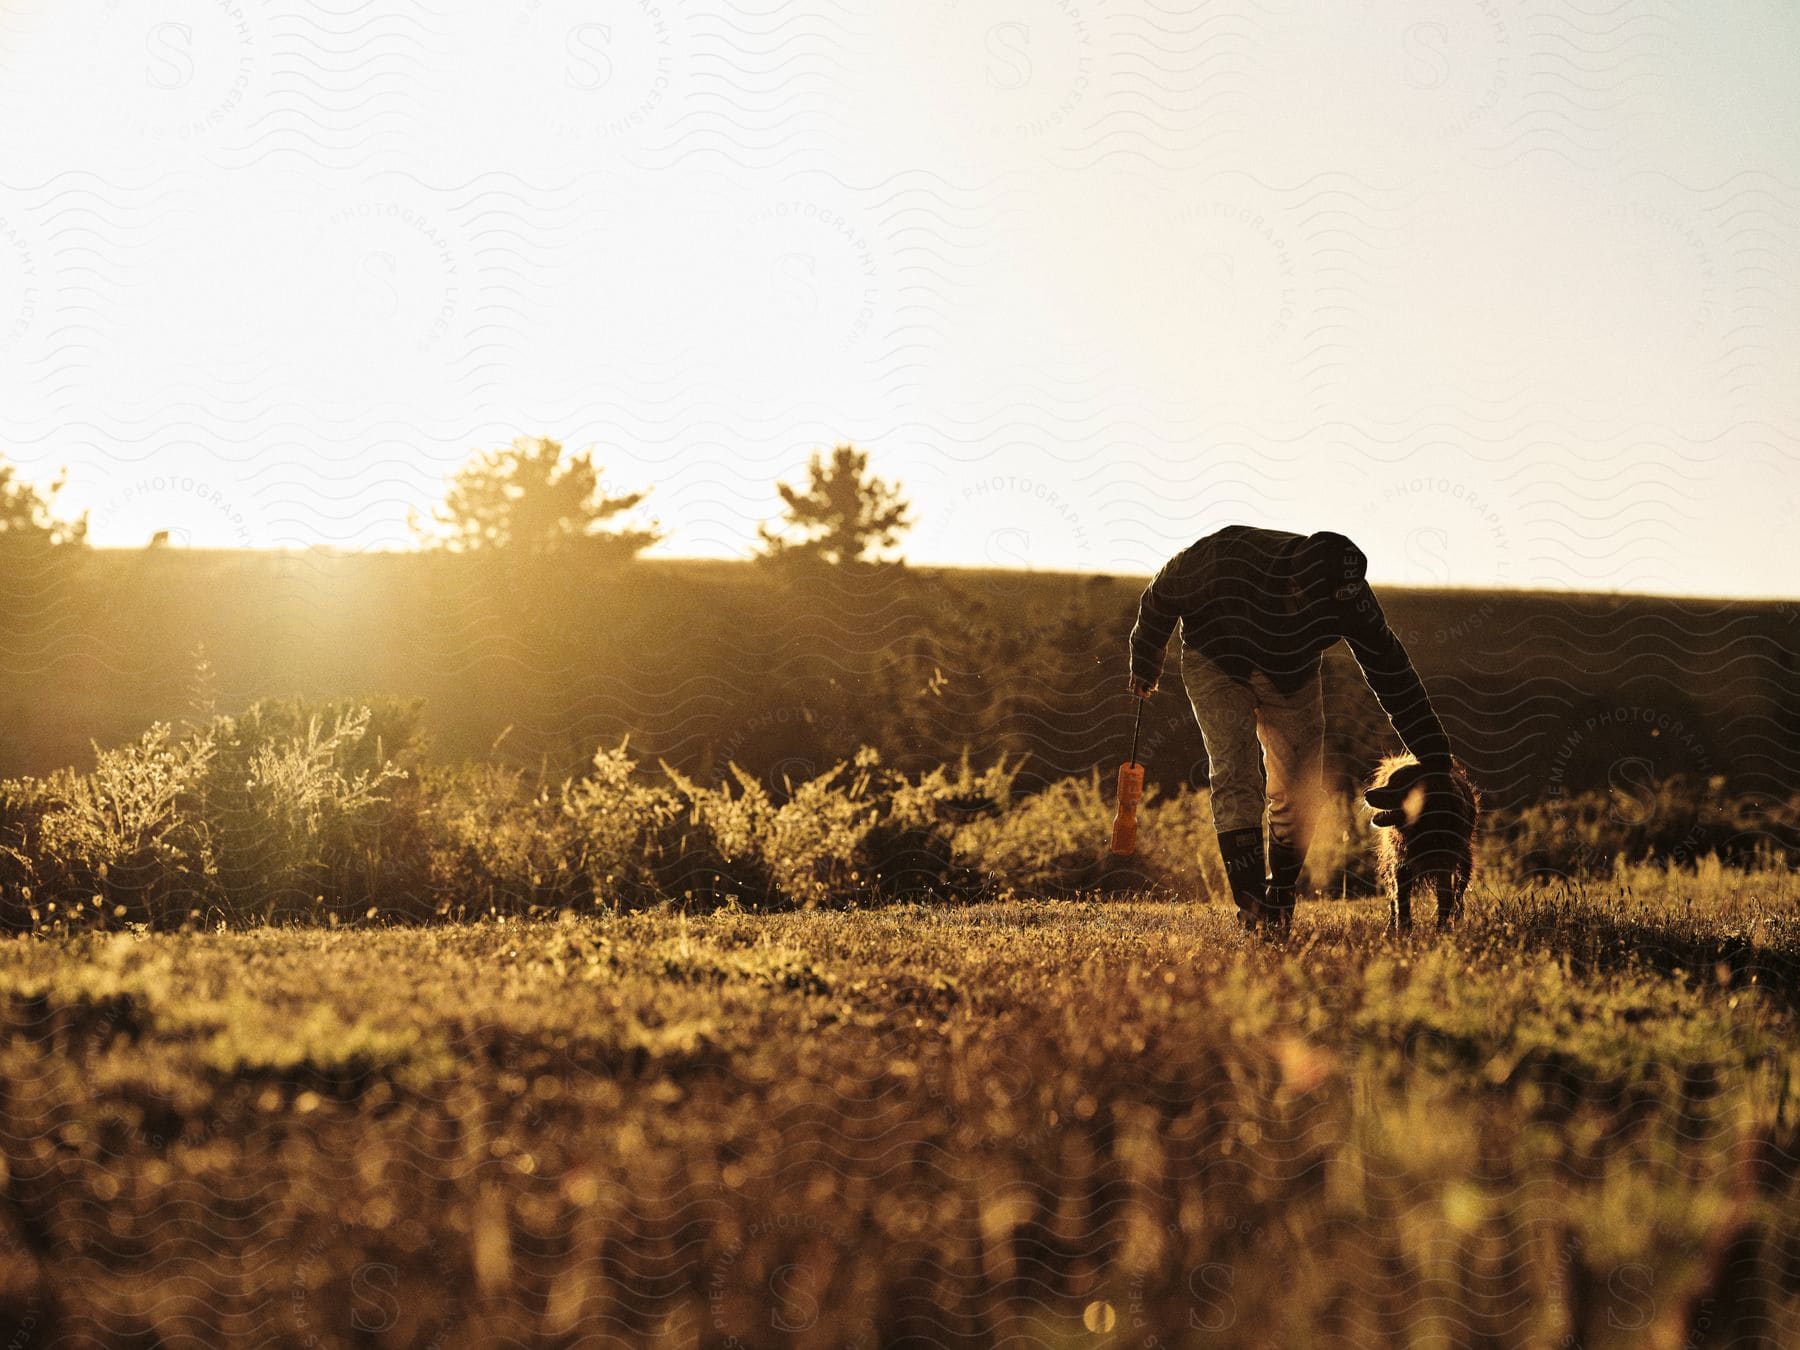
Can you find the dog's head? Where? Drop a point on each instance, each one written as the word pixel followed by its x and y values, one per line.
pixel 1400 794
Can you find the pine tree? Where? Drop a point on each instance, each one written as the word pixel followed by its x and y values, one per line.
pixel 26 518
pixel 844 514
pixel 525 497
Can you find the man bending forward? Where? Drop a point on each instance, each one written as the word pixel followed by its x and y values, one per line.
pixel 1257 608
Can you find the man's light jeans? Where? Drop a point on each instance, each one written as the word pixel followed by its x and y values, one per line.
pixel 1259 740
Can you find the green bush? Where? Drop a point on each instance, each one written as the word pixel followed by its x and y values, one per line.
pixel 264 815
pixel 859 831
pixel 301 813
pixel 494 844
pixel 123 841
pixel 709 844
pixel 1053 842
pixel 1676 821
pixel 321 812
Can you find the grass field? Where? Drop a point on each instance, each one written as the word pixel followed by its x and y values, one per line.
pixel 1575 1121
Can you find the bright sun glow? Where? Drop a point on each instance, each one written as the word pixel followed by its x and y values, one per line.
pixel 1505 297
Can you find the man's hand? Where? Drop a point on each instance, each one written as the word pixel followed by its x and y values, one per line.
pixel 1140 688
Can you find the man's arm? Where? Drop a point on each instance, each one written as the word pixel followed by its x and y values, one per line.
pixel 1396 685
pixel 1175 591
pixel 1150 638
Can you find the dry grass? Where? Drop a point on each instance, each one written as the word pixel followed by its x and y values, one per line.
pixel 1573 1122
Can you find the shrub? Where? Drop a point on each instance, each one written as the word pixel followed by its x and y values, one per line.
pixel 1051 842
pixel 306 810
pixel 299 815
pixel 262 815
pixel 617 822
pixel 121 841
pixel 859 831
pixel 495 845
pixel 1180 846
pixel 712 845
pixel 1677 821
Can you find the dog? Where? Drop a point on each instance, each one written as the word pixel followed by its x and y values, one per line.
pixel 1426 839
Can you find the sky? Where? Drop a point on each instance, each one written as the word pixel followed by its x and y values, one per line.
pixel 1505 291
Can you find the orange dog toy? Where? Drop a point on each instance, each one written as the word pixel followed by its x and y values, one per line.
pixel 1131 792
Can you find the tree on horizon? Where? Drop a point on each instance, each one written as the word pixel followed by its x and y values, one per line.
pixel 526 497
pixel 27 516
pixel 844 514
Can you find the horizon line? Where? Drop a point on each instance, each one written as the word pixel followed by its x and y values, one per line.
pixel 1471 588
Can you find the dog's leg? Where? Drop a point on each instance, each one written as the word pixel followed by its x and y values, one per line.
pixel 1400 912
pixel 1450 897
pixel 1444 890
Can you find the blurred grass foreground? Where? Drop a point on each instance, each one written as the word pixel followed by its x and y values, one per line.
pixel 1020 1122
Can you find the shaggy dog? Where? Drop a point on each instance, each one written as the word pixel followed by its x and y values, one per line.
pixel 1427 840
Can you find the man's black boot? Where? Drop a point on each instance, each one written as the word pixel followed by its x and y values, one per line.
pixel 1244 863
pixel 1285 861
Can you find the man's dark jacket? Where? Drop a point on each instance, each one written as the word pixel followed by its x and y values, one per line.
pixel 1228 591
